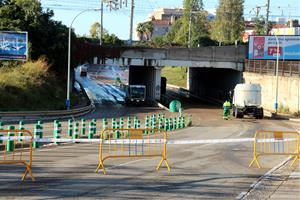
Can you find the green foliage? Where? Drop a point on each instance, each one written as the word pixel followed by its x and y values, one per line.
pixel 95 30
pixel 229 23
pixel 30 86
pixel 175 75
pixel 259 25
pixel 112 40
pixel 46 36
pixel 193 15
pixel 144 31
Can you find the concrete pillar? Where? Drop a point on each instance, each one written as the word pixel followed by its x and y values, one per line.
pixel 157 83
pixel 95 61
pixel 188 80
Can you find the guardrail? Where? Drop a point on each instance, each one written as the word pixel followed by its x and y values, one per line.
pixel 83 110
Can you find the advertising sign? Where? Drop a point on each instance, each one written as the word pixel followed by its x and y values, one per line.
pixel 265 47
pixel 13 45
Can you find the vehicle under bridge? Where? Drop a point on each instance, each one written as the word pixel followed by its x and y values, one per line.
pixel 213 71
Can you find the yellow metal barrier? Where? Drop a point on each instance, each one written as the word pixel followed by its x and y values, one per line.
pixel 129 143
pixel 275 143
pixel 17 151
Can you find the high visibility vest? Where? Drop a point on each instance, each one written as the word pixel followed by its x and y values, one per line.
pixel 226 104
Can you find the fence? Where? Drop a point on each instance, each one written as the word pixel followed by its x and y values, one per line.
pixel 129 143
pixel 275 143
pixel 17 151
pixel 285 68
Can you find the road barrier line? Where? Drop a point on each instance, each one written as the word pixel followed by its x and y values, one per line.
pixel 140 141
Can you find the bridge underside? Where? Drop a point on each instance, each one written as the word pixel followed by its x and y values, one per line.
pixel 212 82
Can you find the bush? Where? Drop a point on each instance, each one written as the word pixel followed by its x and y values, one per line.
pixel 30 86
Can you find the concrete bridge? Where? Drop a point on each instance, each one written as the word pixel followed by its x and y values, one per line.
pixel 212 71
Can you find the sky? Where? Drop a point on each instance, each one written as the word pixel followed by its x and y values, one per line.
pixel 117 21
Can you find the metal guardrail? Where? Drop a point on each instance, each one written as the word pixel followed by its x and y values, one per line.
pixel 76 111
pixel 53 113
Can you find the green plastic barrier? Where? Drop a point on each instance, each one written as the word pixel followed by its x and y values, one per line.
pixel 10 144
pixel 174 106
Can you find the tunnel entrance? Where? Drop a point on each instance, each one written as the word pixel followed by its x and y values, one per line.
pixel 148 76
pixel 213 82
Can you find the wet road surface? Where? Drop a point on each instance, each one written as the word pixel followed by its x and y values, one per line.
pixel 99 84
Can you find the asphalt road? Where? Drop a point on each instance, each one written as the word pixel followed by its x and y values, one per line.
pixel 98 84
pixel 209 171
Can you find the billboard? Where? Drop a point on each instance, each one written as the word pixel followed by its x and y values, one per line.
pixel 265 47
pixel 13 45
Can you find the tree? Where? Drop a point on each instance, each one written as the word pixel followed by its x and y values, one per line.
pixel 112 40
pixel 148 30
pixel 46 36
pixel 194 13
pixel 140 31
pixel 259 25
pixel 229 23
pixel 144 30
pixel 95 30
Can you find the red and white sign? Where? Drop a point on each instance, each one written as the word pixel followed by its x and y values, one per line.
pixel 272 51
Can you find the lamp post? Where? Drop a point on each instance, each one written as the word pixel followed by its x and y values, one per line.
pixel 68 103
pixel 277 63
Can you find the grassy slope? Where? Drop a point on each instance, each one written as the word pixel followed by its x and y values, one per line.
pixel 175 75
pixel 30 87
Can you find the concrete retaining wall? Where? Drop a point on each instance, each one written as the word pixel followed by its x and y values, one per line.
pixel 288 91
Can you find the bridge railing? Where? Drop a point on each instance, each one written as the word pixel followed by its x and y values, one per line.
pixel 285 68
pixel 221 54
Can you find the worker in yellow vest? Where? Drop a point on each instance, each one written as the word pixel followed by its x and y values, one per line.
pixel 226 110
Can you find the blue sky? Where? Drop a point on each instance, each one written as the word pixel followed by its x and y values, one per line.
pixel 117 22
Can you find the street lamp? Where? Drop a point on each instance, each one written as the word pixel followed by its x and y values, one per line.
pixel 68 103
pixel 277 63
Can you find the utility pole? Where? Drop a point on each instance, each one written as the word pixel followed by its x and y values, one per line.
pixel 131 22
pixel 101 28
pixel 267 17
pixel 190 29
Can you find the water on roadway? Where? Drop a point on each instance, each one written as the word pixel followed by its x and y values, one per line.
pixel 99 83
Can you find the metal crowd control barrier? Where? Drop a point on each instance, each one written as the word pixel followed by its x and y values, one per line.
pixel 129 143
pixel 275 143
pixel 17 151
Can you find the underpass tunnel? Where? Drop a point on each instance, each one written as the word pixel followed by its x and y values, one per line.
pixel 148 76
pixel 212 82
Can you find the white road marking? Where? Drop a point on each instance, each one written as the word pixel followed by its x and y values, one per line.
pixel 126 163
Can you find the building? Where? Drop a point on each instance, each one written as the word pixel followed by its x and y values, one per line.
pixel 163 18
pixel 282 26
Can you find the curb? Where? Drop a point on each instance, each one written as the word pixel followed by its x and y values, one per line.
pixel 268 113
pixel 162 106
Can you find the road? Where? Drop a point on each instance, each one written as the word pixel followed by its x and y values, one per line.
pixel 98 84
pixel 207 171
pixel 218 171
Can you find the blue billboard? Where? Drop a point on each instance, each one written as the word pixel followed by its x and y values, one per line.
pixel 13 45
pixel 265 47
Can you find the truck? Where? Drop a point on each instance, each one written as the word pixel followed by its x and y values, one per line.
pixel 83 70
pixel 247 101
pixel 135 94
